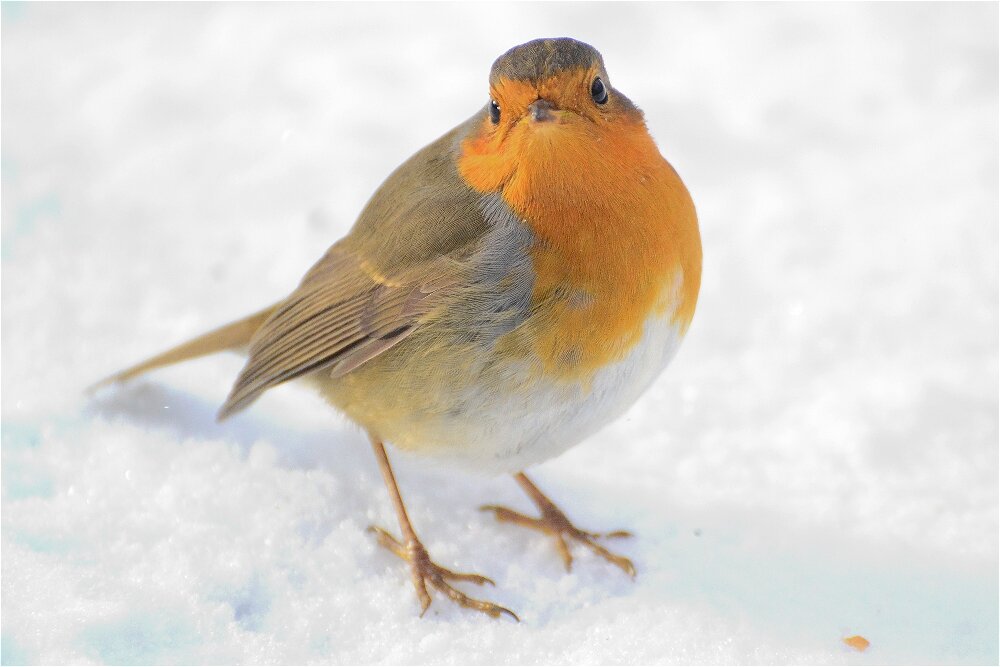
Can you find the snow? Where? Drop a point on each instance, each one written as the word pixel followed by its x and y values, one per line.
pixel 820 460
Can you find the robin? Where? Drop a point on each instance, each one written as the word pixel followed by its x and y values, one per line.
pixel 507 291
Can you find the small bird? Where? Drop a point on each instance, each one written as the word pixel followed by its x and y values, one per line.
pixel 507 291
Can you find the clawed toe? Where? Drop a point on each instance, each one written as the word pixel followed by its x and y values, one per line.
pixel 555 523
pixel 425 572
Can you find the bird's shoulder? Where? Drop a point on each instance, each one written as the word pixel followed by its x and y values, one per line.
pixel 422 211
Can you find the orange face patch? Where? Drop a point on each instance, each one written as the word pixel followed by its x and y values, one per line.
pixel 613 221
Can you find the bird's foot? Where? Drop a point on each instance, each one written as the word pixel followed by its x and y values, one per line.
pixel 425 572
pixel 555 523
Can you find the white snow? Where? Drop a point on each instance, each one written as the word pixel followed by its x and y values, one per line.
pixel 821 459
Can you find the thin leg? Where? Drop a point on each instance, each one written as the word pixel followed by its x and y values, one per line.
pixel 423 571
pixel 555 523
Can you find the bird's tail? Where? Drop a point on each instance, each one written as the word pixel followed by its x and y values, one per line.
pixel 232 336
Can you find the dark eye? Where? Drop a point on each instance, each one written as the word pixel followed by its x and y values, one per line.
pixel 494 112
pixel 598 91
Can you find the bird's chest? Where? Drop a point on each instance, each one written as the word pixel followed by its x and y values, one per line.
pixel 591 308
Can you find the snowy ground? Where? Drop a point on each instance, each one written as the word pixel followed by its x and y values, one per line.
pixel 820 461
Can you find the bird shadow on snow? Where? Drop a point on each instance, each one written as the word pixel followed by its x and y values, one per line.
pixel 155 405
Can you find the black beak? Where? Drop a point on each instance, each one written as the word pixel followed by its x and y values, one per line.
pixel 540 110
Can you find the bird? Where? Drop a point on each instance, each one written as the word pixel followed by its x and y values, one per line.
pixel 508 290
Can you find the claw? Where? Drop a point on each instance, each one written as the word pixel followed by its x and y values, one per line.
pixel 555 523
pixel 424 571
pixel 615 534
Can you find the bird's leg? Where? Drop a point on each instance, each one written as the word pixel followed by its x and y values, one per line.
pixel 554 522
pixel 422 570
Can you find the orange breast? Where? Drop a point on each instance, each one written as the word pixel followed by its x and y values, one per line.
pixel 616 233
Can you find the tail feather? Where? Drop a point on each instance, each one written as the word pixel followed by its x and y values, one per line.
pixel 229 337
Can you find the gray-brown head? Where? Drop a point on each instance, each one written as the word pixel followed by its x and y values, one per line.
pixel 544 77
pixel 541 58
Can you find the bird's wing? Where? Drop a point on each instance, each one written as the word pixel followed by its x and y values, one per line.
pixel 341 316
pixel 410 245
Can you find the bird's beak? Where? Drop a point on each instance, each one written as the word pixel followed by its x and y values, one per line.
pixel 541 110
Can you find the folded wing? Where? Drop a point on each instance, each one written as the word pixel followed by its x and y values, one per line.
pixel 341 315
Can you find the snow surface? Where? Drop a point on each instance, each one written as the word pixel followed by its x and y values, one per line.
pixel 820 461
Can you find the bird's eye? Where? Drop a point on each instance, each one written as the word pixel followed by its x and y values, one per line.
pixel 598 91
pixel 494 112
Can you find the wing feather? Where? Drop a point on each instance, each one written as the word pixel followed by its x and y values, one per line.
pixel 338 318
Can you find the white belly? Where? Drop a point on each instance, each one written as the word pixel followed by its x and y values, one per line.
pixel 524 427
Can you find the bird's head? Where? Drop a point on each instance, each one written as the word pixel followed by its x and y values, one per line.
pixel 553 81
pixel 552 106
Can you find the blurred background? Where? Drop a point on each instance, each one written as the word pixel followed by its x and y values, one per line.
pixel 821 460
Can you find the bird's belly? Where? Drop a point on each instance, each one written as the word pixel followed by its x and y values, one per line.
pixel 527 417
